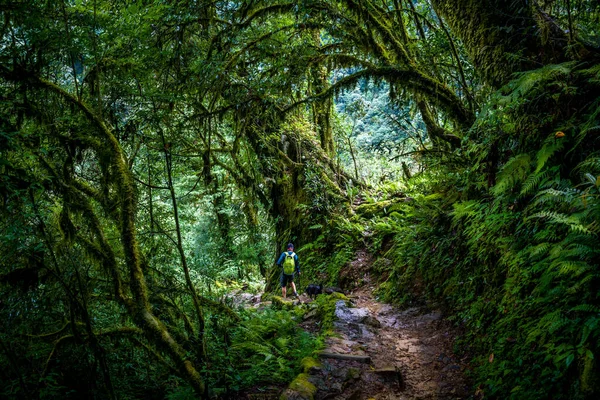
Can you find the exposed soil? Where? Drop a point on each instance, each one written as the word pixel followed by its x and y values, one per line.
pixel 402 354
pixel 410 354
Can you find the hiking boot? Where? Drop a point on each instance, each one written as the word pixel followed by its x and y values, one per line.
pixel 296 294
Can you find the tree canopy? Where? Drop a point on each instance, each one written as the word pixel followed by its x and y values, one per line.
pixel 151 151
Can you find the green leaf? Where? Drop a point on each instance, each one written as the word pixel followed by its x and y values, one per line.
pixel 569 359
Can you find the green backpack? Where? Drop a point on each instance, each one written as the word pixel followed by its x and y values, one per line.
pixel 289 264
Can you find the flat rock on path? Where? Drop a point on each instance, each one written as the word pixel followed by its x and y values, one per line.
pixel 381 353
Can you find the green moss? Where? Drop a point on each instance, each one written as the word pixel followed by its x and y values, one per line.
pixel 370 210
pixel 299 311
pixel 279 303
pixel 339 296
pixel 309 365
pixel 266 297
pixel 300 386
pixel 326 308
pixel 589 380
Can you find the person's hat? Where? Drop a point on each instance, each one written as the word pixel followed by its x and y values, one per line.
pixel 290 245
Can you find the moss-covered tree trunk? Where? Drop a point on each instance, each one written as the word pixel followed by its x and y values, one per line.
pixel 285 155
pixel 504 37
pixel 321 108
pixel 136 299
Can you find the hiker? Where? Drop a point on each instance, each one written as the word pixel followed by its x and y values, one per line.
pixel 289 261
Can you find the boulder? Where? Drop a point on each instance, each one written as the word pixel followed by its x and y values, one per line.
pixel 281 303
pixel 350 315
pixel 371 321
pixel 310 365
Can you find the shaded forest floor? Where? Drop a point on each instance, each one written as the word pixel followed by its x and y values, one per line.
pixel 380 352
pixel 400 354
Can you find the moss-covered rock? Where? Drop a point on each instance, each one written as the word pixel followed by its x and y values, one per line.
pixel 280 303
pixel 326 308
pixel 310 365
pixel 370 210
pixel 339 296
pixel 300 389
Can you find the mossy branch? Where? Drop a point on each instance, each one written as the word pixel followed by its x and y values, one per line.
pixel 433 129
pixel 154 329
pixel 367 11
pixel 415 80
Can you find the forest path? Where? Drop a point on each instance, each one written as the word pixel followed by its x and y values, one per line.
pixel 379 352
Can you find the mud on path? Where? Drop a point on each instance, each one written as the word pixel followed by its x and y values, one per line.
pixel 382 353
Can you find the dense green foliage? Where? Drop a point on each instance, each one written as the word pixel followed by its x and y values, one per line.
pixel 155 156
pixel 518 262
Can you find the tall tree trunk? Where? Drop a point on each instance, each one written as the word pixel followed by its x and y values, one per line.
pixel 503 37
pixel 186 270
pixel 321 108
pixel 290 196
pixel 138 304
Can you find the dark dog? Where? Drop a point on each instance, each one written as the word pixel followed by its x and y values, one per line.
pixel 313 290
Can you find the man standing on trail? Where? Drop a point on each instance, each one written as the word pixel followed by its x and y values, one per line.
pixel 289 261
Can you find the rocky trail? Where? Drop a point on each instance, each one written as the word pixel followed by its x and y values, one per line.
pixel 379 352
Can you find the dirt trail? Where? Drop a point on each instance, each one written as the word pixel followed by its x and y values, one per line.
pixel 410 354
pixel 388 354
pixel 380 352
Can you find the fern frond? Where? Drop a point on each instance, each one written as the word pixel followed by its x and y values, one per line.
pixel 465 209
pixel 571 221
pixel 556 250
pixel 586 308
pixel 590 127
pixel 558 324
pixel 543 155
pixel 548 235
pixel 529 80
pixel 572 268
pixel 593 180
pixel 513 172
pixel 539 250
pixel 533 182
pixel 594 226
pixel 577 287
pixel 590 164
pixel 555 196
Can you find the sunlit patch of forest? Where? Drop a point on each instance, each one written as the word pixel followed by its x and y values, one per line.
pixel 156 157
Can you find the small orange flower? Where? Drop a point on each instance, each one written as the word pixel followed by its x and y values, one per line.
pixel 559 134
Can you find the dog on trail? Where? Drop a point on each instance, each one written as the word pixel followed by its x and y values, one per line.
pixel 313 290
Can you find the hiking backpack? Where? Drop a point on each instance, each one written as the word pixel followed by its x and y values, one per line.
pixel 289 264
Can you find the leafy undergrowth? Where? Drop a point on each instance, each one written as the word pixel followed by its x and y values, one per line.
pixel 264 350
pixel 504 234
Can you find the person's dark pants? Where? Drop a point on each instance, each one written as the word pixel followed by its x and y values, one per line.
pixel 285 279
